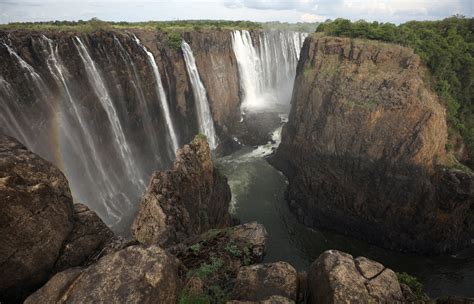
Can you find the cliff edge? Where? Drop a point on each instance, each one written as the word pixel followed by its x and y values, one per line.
pixel 364 149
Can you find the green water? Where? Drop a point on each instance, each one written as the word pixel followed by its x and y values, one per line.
pixel 258 195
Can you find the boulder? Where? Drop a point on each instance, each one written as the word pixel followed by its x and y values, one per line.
pixel 187 200
pixel 135 274
pixel 336 277
pixel 36 217
pixel 89 235
pixel 258 282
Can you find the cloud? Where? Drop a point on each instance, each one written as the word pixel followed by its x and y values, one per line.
pixel 382 10
pixel 311 18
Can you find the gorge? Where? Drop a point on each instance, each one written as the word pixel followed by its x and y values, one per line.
pixel 109 108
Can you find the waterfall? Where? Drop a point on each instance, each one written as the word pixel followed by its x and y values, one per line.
pixel 206 124
pixel 161 94
pixel 90 159
pixel 267 67
pixel 102 93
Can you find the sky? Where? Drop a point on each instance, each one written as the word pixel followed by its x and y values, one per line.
pixel 395 11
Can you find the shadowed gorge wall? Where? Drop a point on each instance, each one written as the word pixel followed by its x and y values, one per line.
pixel 364 149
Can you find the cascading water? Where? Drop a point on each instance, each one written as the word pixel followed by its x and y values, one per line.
pixel 206 124
pixel 267 68
pixel 161 94
pixel 102 93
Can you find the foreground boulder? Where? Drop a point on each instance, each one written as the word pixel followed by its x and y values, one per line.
pixel 336 277
pixel 258 282
pixel 42 231
pixel 364 149
pixel 135 274
pixel 36 217
pixel 88 236
pixel 189 199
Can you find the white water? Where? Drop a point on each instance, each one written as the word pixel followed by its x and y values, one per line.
pixel 206 124
pixel 91 160
pixel 161 94
pixel 102 93
pixel 267 69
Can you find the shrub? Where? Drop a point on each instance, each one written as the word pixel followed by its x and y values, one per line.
pixel 414 284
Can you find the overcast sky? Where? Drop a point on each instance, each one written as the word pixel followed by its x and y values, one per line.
pixel 395 11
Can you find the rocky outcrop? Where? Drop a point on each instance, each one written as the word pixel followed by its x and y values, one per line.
pixel 364 149
pixel 335 277
pixel 36 217
pixel 135 274
pixel 214 258
pixel 258 282
pixel 42 231
pixel 189 199
pixel 88 236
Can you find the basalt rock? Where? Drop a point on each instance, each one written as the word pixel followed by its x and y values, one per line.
pixel 36 217
pixel 364 149
pixel 135 274
pixel 42 231
pixel 89 236
pixel 187 200
pixel 258 282
pixel 335 277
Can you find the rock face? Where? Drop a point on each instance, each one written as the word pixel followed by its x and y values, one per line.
pixel 189 199
pixel 36 215
pixel 89 235
pixel 335 277
pixel 258 282
pixel 42 231
pixel 135 274
pixel 364 148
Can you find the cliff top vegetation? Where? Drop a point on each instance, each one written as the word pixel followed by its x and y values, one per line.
pixel 95 24
pixel 447 49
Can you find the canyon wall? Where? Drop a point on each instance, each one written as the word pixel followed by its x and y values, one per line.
pixel 364 149
pixel 110 107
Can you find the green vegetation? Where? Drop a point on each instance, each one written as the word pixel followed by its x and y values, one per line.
pixel 178 25
pixel 196 247
pixel 233 249
pixel 206 270
pixel 174 40
pixel 447 49
pixel 414 284
pixel 186 298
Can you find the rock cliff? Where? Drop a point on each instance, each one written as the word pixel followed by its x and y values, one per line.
pixel 189 199
pixel 364 149
pixel 42 231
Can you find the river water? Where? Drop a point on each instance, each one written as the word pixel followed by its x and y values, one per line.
pixel 258 195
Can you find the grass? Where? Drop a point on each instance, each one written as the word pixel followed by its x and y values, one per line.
pixel 414 285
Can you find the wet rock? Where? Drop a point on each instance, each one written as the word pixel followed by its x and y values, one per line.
pixel 189 199
pixel 89 235
pixel 335 277
pixel 258 282
pixel 364 149
pixel 36 217
pixel 135 274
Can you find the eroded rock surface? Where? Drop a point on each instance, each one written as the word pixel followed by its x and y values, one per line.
pixel 336 277
pixel 36 213
pixel 365 148
pixel 258 282
pixel 89 235
pixel 189 199
pixel 135 274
